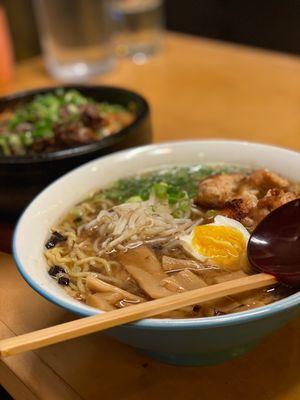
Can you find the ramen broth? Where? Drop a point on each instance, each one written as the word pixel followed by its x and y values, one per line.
pixel 164 232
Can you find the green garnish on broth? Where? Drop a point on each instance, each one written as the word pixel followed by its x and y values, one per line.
pixel 177 185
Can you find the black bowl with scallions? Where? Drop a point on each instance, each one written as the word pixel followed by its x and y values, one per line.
pixel 49 131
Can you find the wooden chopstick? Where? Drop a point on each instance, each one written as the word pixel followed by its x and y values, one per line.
pixel 84 326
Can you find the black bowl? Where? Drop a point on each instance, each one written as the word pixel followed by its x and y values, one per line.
pixel 21 178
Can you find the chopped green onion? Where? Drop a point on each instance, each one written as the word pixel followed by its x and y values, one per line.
pixel 160 190
pixel 174 184
pixel 15 144
pixel 4 147
pixel 211 213
pixel 27 139
pixel 134 199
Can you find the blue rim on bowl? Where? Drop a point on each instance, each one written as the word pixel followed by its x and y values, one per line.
pixel 152 323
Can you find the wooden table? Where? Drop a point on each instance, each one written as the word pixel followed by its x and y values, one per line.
pixel 197 89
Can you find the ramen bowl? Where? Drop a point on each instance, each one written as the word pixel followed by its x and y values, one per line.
pixel 193 341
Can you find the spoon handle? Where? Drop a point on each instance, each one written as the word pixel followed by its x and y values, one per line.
pixel 84 326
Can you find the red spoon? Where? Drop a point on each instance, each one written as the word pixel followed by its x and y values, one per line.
pixel 274 246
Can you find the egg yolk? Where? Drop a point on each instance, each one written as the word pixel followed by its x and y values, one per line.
pixel 225 246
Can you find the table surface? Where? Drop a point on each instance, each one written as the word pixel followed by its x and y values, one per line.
pixel 197 89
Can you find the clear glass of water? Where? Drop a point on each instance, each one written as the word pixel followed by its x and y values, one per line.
pixel 138 26
pixel 75 37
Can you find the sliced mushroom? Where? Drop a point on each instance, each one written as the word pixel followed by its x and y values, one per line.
pixel 97 285
pixel 98 301
pixel 145 268
pixel 176 264
pixel 143 257
pixel 183 281
pixel 229 277
pixel 151 284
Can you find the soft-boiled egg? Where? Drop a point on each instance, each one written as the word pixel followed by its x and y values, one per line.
pixel 222 243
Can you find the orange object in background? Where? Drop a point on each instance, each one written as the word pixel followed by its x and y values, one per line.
pixel 6 54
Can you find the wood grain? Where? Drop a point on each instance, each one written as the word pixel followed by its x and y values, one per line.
pixel 20 379
pixel 197 88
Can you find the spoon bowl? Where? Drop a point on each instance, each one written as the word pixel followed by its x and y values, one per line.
pixel 274 246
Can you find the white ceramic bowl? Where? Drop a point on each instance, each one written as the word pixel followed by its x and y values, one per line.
pixel 49 206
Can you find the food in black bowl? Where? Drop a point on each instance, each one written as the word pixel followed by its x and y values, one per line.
pixel 47 132
pixel 59 120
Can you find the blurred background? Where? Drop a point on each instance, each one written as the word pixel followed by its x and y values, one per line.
pixel 272 24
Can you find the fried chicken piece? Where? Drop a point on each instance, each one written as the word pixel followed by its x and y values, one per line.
pixel 276 198
pixel 215 191
pixel 272 200
pixel 250 212
pixel 236 209
pixel 263 180
pixel 241 208
pixel 245 199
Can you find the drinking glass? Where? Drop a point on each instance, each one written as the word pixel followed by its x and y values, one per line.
pixel 138 26
pixel 75 37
